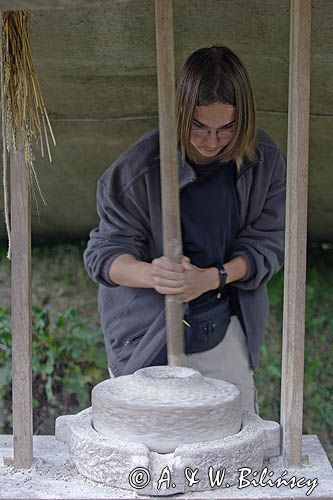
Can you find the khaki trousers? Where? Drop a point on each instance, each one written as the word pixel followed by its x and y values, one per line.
pixel 229 361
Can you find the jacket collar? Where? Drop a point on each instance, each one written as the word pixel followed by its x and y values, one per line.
pixel 188 175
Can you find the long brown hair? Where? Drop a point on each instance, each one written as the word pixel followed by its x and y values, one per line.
pixel 207 76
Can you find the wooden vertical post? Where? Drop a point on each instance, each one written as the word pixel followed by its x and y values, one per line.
pixel 21 309
pixel 296 231
pixel 172 242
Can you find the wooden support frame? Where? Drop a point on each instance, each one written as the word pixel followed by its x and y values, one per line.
pixel 172 242
pixel 50 4
pixel 21 309
pixel 296 219
pixel 296 232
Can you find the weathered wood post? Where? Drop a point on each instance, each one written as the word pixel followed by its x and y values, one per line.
pixel 24 117
pixel 296 231
pixel 172 242
pixel 21 309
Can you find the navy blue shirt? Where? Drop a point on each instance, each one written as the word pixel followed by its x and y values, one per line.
pixel 209 223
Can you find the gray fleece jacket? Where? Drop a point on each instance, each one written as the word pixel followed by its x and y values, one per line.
pixel 129 209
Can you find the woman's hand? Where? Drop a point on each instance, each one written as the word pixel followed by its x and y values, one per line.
pixel 169 277
pixel 196 282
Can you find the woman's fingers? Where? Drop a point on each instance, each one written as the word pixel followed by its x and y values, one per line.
pixel 168 276
pixel 168 291
pixel 160 281
pixel 167 269
pixel 167 264
pixel 168 281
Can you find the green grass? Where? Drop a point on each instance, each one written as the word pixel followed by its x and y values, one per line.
pixel 69 356
pixel 68 359
pixel 68 350
pixel 318 376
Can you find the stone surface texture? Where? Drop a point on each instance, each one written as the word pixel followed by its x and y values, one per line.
pixel 53 475
pixel 163 407
pixel 110 461
pixel 166 417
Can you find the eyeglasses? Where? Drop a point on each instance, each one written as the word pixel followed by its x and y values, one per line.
pixel 203 133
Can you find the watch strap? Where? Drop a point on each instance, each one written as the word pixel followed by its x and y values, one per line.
pixel 223 280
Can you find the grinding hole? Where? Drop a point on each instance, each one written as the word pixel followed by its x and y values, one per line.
pixel 166 372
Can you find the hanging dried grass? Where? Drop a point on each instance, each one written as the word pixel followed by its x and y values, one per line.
pixel 23 110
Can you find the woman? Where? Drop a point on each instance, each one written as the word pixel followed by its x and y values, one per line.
pixel 232 203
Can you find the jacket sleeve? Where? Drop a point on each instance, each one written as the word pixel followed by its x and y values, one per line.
pixel 261 241
pixel 121 230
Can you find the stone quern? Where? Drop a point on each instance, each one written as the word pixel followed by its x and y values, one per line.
pixel 163 416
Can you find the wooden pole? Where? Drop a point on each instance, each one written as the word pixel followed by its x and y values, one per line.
pixel 296 231
pixel 172 242
pixel 21 309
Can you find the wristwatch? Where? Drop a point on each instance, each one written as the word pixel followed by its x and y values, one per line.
pixel 223 279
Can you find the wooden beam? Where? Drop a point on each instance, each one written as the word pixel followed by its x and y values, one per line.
pixel 50 4
pixel 21 309
pixel 172 242
pixel 296 232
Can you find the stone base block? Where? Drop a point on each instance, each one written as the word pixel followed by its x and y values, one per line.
pixel 53 475
pixel 133 466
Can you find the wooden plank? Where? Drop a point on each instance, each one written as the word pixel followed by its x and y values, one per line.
pixel 296 231
pixel 172 242
pixel 21 310
pixel 49 4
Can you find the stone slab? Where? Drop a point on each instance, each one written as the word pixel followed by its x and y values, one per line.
pixel 113 461
pixel 52 476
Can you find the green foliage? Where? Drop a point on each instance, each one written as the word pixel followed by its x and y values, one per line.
pixel 5 353
pixel 318 374
pixel 268 374
pixel 68 359
pixel 69 355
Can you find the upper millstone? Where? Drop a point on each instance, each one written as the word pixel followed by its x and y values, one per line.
pixel 164 407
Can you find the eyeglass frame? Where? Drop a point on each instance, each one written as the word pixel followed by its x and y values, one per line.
pixel 208 131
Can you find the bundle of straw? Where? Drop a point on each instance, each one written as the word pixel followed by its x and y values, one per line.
pixel 23 112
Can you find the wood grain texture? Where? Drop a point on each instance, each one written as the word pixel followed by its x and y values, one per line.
pixel 49 4
pixel 172 242
pixel 21 310
pixel 296 232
